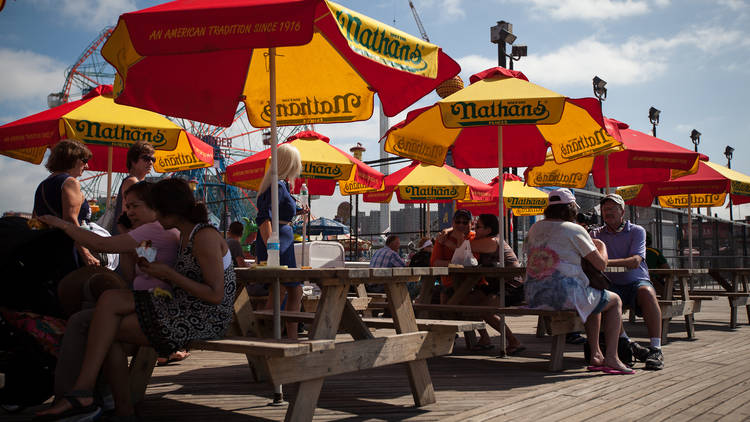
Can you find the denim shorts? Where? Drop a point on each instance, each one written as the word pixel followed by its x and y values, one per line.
pixel 629 294
pixel 602 303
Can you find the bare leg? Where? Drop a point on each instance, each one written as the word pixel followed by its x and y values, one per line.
pixel 593 323
pixel 112 307
pixel 651 311
pixel 612 314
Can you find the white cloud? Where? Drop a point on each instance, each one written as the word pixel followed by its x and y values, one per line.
pixel 634 61
pixel 449 9
pixel 589 9
pixel 28 75
pixel 733 4
pixel 93 14
pixel 19 184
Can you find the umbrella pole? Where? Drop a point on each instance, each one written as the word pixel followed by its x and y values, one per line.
pixel 606 171
pixel 304 228
pixel 110 151
pixel 690 232
pixel 501 235
pixel 278 396
pixel 428 219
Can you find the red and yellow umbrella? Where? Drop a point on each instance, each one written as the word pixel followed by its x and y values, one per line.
pixel 642 159
pixel 522 199
pixel 323 166
pixel 424 183
pixel 197 59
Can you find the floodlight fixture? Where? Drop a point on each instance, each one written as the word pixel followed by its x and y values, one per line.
pixel 695 136
pixel 599 88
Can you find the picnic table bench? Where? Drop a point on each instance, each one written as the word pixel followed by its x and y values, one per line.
pixel 309 361
pixel 685 305
pixel 736 290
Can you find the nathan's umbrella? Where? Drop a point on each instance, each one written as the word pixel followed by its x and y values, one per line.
pixel 708 187
pixel 502 105
pixel 329 61
pixel 426 184
pixel 642 158
pixel 522 199
pixel 323 166
pixel 108 129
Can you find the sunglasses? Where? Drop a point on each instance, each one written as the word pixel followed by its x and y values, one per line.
pixel 84 160
pixel 148 158
pixel 464 222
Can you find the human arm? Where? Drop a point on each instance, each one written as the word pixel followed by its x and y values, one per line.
pixel 89 239
pixel 126 184
pixel 208 249
pixel 72 199
pixel 631 262
pixel 598 257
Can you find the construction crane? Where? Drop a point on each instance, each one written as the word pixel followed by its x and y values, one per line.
pixel 419 22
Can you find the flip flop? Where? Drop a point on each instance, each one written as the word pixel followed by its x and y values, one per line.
pixel 595 368
pixel 614 371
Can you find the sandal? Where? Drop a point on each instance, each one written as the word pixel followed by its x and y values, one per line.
pixel 514 350
pixel 482 347
pixel 77 413
pixel 174 357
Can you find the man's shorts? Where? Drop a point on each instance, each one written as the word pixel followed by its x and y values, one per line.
pixel 629 294
pixel 603 301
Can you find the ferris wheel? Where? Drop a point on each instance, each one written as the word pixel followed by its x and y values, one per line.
pixel 231 144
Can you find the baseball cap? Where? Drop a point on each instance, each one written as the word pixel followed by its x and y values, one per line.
pixel 561 196
pixel 617 199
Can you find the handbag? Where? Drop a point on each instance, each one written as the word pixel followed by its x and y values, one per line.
pixel 597 278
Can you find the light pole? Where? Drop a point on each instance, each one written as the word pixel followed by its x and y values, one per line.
pixel 653 116
pixel 599 88
pixel 356 151
pixel 695 136
pixel 728 151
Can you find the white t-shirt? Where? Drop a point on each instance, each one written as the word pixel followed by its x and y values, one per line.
pixel 554 277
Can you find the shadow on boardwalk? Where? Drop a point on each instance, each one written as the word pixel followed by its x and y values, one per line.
pixel 705 379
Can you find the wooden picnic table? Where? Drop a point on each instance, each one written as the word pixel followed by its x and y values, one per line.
pixel 672 307
pixel 735 290
pixel 409 345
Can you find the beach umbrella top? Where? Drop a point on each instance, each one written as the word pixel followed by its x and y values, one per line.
pixel 642 158
pixel 197 59
pixel 323 165
pixel 522 199
pixel 98 122
pixel 424 183
pixel 531 117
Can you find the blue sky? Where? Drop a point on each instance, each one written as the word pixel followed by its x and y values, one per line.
pixel 688 58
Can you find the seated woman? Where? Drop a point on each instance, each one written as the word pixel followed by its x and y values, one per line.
pixel 60 194
pixel 81 288
pixel 485 248
pixel 198 307
pixel 555 280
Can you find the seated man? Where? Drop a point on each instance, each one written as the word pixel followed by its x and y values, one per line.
pixel 386 257
pixel 626 247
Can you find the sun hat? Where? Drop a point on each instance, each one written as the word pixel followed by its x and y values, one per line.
pixel 617 199
pixel 561 196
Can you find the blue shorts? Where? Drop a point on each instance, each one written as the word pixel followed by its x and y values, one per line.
pixel 602 303
pixel 629 294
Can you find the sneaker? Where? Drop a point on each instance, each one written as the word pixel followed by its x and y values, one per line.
pixel 639 352
pixel 575 338
pixel 655 359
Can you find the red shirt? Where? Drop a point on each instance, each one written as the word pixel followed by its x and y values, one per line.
pixel 441 252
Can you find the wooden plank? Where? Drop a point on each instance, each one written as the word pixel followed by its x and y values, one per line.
pixel 358 355
pixel 261 346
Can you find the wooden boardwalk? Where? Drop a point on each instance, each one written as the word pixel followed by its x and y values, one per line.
pixel 706 379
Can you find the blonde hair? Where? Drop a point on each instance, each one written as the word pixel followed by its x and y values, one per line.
pixel 289 164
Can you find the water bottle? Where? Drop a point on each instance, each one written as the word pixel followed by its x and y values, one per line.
pixel 272 246
pixel 304 196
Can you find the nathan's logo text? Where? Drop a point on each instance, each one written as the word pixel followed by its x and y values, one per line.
pixel 321 170
pixel 526 202
pixel 586 144
pixel 431 192
pixel 179 160
pixel 557 178
pixel 312 107
pixel 381 44
pixel 629 193
pixel 415 149
pixel 696 200
pixel 499 111
pixel 740 188
pixel 95 131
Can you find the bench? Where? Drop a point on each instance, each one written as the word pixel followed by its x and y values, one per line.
pixel 554 323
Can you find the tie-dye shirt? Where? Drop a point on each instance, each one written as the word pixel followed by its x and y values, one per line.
pixel 554 277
